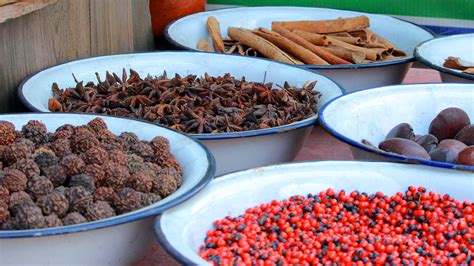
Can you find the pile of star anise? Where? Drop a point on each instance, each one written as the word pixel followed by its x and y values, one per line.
pixel 190 104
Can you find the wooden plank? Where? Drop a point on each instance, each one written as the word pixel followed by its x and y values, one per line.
pixel 142 32
pixel 22 8
pixel 111 26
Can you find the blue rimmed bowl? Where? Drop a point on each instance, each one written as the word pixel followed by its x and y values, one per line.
pixel 119 240
pixel 371 114
pixel 433 53
pixel 233 151
pixel 182 229
pixel 185 33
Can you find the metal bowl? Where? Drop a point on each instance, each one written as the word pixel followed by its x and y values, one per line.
pixel 181 230
pixel 185 33
pixel 370 114
pixel 233 151
pixel 119 240
pixel 432 53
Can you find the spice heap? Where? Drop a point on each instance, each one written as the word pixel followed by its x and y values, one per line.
pixel 79 174
pixel 459 64
pixel 321 42
pixel 415 227
pixel 190 104
pixel 450 139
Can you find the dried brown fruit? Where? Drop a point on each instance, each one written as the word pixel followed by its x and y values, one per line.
pixel 29 216
pixel 35 131
pixel 97 125
pixel 26 166
pixel 99 210
pixel 104 194
pixel 150 198
pixel 56 174
pixel 4 194
pixel 161 145
pixel 61 147
pixel 84 181
pixel 97 172
pixel 7 133
pixel 95 155
pixel 21 148
pixel 4 212
pixel 143 150
pixel 79 199
pixel 54 203
pixel 39 186
pixel 72 164
pixel 167 182
pixel 127 200
pixel 18 198
pixel 448 123
pixel 141 182
pixel 45 157
pixel 116 176
pixel 53 220
pixel 13 180
pixel 118 156
pixel 83 140
pixel 73 218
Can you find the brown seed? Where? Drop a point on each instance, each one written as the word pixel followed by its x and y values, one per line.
pixel 466 156
pixel 466 135
pixel 403 131
pixel 442 154
pixel 404 147
pixel 428 142
pixel 454 146
pixel 448 123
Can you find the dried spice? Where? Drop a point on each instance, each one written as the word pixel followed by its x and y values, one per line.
pixel 78 174
pixel 39 186
pixel 192 104
pixel 167 182
pixel 54 203
pixel 35 131
pixel 13 180
pixel 99 210
pixel 7 133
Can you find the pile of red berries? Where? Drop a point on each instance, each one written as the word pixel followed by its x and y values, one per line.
pixel 415 227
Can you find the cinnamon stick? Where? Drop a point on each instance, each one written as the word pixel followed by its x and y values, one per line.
pixel 264 47
pixel 291 47
pixel 324 54
pixel 312 38
pixel 326 26
pixel 350 40
pixel 215 32
pixel 204 45
pixel 352 56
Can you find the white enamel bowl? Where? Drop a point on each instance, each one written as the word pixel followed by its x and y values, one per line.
pixel 370 114
pixel 233 151
pixel 181 230
pixel 186 32
pixel 119 240
pixel 433 53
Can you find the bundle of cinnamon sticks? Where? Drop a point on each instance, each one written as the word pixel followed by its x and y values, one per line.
pixel 322 42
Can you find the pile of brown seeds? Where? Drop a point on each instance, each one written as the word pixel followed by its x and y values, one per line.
pixel 79 174
pixel 190 104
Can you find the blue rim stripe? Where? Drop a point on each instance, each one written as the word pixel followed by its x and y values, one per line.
pixel 408 59
pixel 443 30
pixel 396 157
pixel 244 134
pixel 430 64
pixel 124 218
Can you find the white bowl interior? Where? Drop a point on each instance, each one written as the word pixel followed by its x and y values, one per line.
pixel 437 50
pixel 190 29
pixel 371 114
pixel 192 156
pixel 37 89
pixel 185 226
